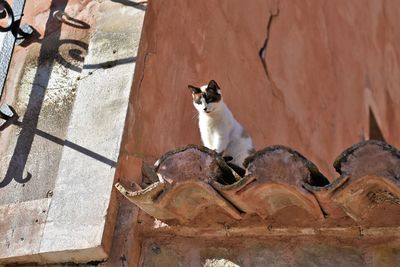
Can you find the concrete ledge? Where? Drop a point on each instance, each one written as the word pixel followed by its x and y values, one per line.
pixel 21 235
pixel 83 205
pixel 76 224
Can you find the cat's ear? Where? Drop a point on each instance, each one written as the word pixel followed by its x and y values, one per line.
pixel 195 90
pixel 213 85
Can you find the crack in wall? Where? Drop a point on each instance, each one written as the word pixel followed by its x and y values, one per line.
pixel 276 92
pixel 143 69
pixel 263 55
pixel 263 51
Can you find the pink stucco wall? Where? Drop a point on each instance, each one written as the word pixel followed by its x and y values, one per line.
pixel 328 63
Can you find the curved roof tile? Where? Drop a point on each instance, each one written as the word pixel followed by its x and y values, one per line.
pixel 193 185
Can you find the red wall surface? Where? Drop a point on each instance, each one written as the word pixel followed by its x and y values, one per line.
pixel 328 63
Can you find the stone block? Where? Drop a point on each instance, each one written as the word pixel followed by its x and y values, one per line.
pixel 21 235
pixel 386 257
pixel 155 255
pixel 220 257
pixel 324 255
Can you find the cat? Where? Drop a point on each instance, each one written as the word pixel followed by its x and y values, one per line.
pixel 219 130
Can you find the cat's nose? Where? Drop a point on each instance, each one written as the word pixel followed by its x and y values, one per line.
pixel 205 109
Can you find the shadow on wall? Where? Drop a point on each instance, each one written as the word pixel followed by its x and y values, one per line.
pixel 30 121
pixel 139 5
pixel 70 21
pixel 71 145
pixel 110 63
pixel 50 44
pixel 76 52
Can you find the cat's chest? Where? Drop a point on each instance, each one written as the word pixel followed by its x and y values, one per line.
pixel 211 126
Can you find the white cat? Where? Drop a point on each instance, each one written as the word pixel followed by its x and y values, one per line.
pixel 218 128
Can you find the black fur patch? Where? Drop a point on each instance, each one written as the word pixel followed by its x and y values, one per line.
pixel 213 85
pixel 210 95
pixel 195 90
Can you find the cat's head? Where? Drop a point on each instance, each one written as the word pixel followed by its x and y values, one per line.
pixel 207 98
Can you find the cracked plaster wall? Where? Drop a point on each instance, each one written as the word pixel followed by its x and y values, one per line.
pixel 327 63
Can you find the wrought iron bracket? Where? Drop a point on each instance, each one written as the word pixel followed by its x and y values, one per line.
pixel 7 116
pixel 7 13
pixel 14 33
pixel 25 31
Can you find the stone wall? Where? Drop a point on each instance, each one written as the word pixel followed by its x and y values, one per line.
pixel 294 251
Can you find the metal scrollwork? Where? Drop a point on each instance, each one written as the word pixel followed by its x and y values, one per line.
pixel 6 13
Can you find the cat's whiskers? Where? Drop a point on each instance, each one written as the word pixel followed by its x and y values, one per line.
pixel 195 116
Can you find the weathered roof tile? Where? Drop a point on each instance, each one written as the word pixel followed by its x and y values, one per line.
pixel 368 189
pixel 369 158
pixel 272 186
pixel 193 185
pixel 183 193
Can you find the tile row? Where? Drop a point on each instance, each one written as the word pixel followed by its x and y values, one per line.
pixel 194 186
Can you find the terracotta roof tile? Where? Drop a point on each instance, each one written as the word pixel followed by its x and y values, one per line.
pixel 369 158
pixel 183 192
pixel 273 186
pixel 368 189
pixel 195 186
